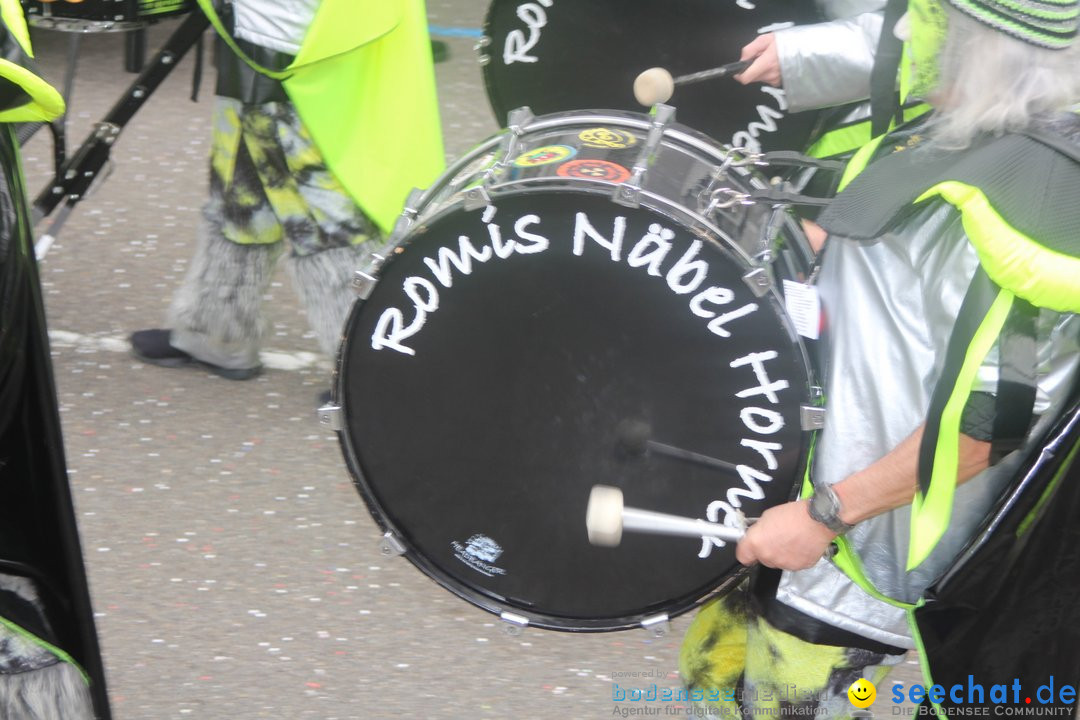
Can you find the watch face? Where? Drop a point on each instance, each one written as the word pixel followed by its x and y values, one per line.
pixel 825 509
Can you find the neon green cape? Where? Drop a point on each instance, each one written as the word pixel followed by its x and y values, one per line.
pixel 364 85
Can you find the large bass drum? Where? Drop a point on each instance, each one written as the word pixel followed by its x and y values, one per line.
pixel 561 55
pixel 529 336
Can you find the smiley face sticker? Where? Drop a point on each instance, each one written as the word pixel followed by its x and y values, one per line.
pixel 862 693
pixel 607 138
pixel 545 156
pixel 594 170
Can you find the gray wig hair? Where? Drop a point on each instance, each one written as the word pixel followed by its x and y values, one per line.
pixel 994 83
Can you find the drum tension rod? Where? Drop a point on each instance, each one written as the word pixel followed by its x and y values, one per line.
pixel 628 194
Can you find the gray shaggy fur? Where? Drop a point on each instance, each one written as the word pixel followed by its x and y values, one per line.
pixel 54 692
pixel 323 280
pixel 34 683
pixel 221 296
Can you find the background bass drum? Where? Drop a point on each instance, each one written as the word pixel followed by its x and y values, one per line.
pixel 558 55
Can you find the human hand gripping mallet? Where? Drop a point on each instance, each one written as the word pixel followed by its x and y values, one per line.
pixel 607 517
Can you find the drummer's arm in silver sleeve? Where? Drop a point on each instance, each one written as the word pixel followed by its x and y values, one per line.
pixel 828 63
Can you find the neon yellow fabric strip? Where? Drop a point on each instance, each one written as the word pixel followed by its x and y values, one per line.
pixel 1041 276
pixel 930 514
pixel 11 13
pixel 840 141
pixel 848 562
pixel 45 100
pixel 859 161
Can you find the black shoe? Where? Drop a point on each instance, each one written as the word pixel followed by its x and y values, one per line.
pixel 153 346
pixel 440 51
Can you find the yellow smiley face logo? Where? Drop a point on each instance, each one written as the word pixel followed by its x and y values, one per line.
pixel 862 693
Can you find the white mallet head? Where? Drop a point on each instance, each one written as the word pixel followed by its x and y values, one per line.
pixel 654 85
pixel 603 518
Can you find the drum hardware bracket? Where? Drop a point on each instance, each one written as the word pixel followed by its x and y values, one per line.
pixel 734 197
pixel 515 624
pixel 628 194
pixel 759 282
pixel 390 545
pixel 477 198
pixel 363 284
pixel 739 156
pixel 812 417
pixel 658 626
pixel 481 45
pixel 332 416
pixel 408 216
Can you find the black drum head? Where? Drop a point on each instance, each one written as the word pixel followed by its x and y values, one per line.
pixel 555 56
pixel 482 406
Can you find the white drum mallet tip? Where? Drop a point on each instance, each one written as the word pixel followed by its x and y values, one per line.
pixel 603 518
pixel 655 85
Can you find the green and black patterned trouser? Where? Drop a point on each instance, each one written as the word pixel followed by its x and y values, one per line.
pixel 270 191
pixel 743 666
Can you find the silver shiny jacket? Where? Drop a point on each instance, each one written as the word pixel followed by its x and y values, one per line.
pixel 829 63
pixel 891 305
pixel 275 24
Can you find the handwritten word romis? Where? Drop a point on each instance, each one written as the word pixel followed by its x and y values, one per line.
pixel 687 275
pixel 518 44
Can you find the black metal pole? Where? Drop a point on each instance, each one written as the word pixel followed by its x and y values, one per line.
pixel 84 165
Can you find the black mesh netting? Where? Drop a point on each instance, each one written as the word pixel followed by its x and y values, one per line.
pixel 1032 185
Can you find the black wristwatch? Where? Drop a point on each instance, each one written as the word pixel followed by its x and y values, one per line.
pixel 825 509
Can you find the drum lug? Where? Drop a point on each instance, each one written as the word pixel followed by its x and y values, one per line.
pixel 477 198
pixel 628 194
pixel 658 626
pixel 518 118
pixel 408 216
pixel 515 624
pixel 391 546
pixel 363 284
pixel 759 281
pixel 811 417
pixel 480 48
pixel 331 415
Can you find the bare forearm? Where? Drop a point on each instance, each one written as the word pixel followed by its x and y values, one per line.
pixel 890 482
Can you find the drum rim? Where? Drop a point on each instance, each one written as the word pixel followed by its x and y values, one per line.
pixel 679 133
pixel 652 203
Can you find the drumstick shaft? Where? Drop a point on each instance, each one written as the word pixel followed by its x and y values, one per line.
pixel 647 521
pixel 724 70
pixel 690 456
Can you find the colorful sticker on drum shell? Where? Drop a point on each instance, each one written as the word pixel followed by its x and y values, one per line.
pixel 479 553
pixel 545 156
pixel 607 138
pixel 594 170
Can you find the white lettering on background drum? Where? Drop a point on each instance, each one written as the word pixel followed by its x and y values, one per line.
pixel 760 421
pixel 518 44
pixel 766 123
